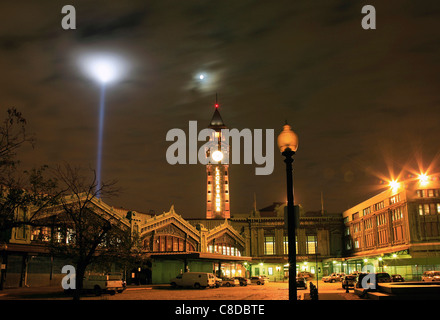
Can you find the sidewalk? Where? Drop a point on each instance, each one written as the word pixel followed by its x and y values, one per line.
pixel 41 293
pixel 54 292
pixel 334 295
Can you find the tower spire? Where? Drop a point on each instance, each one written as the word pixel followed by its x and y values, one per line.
pixel 216 121
pixel 217 205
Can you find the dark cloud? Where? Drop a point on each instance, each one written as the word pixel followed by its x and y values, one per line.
pixel 110 27
pixel 361 101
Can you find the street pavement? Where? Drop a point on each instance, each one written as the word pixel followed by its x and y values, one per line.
pixel 269 291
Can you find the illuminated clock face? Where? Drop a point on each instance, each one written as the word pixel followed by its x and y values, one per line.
pixel 217 156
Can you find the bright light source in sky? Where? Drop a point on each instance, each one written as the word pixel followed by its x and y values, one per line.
pixel 103 71
pixel 104 67
pixel 205 80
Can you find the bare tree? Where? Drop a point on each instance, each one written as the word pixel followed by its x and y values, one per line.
pixel 12 136
pixel 31 191
pixel 23 194
pixel 94 233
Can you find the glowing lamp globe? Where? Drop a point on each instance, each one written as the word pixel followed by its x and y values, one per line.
pixel 287 139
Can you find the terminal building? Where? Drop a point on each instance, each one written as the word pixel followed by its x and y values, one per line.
pixel 246 244
pixel 396 231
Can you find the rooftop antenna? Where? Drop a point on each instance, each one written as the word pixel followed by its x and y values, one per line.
pixel 216 101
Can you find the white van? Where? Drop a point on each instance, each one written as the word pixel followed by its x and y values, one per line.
pixel 99 283
pixel 194 279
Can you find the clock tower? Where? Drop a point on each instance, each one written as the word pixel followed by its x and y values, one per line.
pixel 217 172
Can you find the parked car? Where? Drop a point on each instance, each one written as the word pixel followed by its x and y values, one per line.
pixel 431 276
pixel 397 278
pixel 230 282
pixel 218 282
pixel 379 277
pixel 243 281
pixel 101 283
pixel 340 276
pixel 194 279
pixel 301 282
pixel 349 281
pixel 258 280
pixel 330 278
pixel 265 278
pixel 306 275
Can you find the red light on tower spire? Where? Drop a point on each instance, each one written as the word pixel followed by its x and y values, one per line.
pixel 216 103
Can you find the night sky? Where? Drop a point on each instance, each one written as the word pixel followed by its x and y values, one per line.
pixel 364 103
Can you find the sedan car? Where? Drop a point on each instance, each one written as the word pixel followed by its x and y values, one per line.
pixel 230 282
pixel 431 276
pixel 349 281
pixel 218 282
pixel 301 282
pixel 306 275
pixel 397 278
pixel 243 281
pixel 372 279
pixel 330 278
pixel 258 280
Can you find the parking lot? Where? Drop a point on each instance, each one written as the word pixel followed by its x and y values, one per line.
pixel 269 291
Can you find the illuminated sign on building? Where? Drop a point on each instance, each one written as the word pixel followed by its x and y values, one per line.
pixel 217 190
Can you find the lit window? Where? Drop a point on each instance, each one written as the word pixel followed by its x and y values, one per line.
pixel 311 244
pixel 426 208
pixel 396 198
pixel 269 244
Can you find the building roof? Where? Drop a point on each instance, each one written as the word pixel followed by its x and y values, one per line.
pixel 271 211
pixel 217 121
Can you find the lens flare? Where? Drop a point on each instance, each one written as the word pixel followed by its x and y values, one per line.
pixel 423 178
pixel 394 185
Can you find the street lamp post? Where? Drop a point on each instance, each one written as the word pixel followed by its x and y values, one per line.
pixel 288 144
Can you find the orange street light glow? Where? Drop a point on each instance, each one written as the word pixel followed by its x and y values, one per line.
pixel 423 178
pixel 394 185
